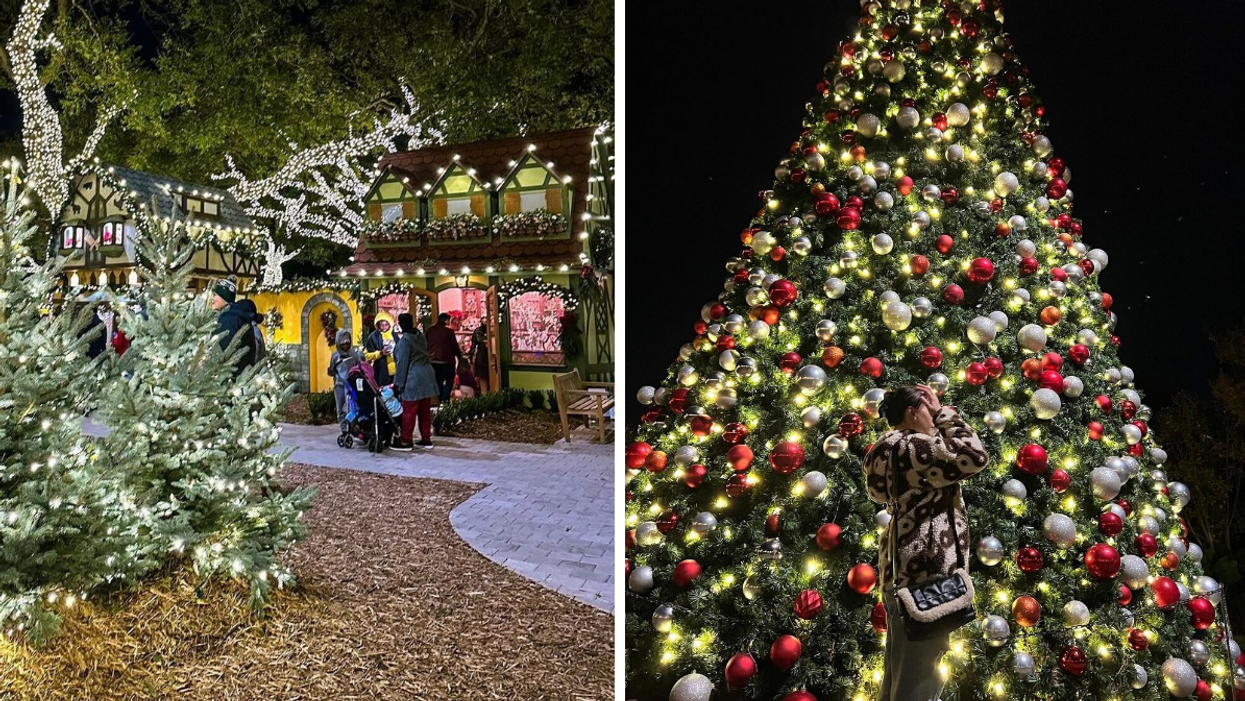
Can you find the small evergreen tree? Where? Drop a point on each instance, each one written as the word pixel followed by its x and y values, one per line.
pixel 195 443
pixel 63 520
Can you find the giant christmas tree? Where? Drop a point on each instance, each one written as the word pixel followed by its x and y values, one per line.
pixel 921 230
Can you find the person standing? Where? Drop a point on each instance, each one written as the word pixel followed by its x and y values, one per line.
pixel 933 449
pixel 233 319
pixel 345 357
pixel 445 353
pixel 415 384
pixel 379 347
pixel 479 357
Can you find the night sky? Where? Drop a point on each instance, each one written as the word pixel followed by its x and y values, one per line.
pixel 1139 107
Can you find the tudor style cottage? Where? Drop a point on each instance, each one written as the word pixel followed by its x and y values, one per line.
pixel 96 228
pixel 513 235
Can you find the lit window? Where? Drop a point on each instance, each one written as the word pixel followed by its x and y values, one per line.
pixel 211 209
pixel 390 212
pixel 71 237
pixel 529 201
pixel 458 205
pixel 468 309
pixel 535 327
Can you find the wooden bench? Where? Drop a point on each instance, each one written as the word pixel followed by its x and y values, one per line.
pixel 579 398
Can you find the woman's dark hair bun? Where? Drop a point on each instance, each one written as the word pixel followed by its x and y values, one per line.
pixel 896 403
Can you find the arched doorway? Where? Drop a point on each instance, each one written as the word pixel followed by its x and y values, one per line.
pixel 318 345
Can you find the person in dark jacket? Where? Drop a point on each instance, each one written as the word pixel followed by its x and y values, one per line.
pixel 344 358
pixel 445 353
pixel 415 384
pixel 479 357
pixel 234 319
pixel 378 347
pixel 935 450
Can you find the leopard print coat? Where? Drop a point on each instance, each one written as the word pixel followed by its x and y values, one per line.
pixel 930 468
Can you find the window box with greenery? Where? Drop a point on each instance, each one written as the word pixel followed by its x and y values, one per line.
pixel 456 227
pixel 538 223
pixel 400 229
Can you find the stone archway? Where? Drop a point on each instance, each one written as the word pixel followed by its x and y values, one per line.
pixel 302 360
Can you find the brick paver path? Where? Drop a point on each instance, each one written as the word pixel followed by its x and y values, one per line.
pixel 547 512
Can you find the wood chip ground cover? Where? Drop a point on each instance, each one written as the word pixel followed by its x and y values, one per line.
pixel 391 605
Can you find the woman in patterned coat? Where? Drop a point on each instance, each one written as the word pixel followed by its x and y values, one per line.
pixel 936 450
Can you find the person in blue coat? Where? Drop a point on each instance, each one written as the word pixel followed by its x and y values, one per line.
pixel 415 383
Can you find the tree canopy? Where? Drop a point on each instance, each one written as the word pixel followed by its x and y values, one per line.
pixel 250 76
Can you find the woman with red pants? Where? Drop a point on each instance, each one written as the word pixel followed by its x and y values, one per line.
pixel 414 383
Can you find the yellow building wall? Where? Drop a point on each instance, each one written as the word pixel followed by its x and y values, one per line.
pixel 291 304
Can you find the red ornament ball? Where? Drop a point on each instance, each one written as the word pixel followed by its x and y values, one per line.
pixel 1203 612
pixel 953 294
pixel 1102 561
pixel 1029 265
pixel 637 454
pixel 851 425
pixel 862 578
pixel 1137 639
pixel 734 433
pixel 655 462
pixel 701 425
pixel 788 362
pixel 975 374
pixel 799 696
pixel 980 271
pixel 808 604
pixel 1126 596
pixel 667 521
pixel 1104 403
pixel 848 218
pixel 826 205
pixel 1052 361
pixel 919 264
pixel 1128 410
pixel 1029 560
pixel 931 357
pixel 1059 274
pixel 1056 188
pixel 1095 430
pixel 1203 692
pixel 1110 523
pixel 1073 661
pixel 1032 459
pixel 694 475
pixel 871 367
pixel 737 485
pixel 1127 507
pixel 1078 354
pixel 1166 593
pixel 1051 380
pixel 739 457
pixel 771 524
pixel 944 243
pixel 828 536
pixel 877 617
pixel 950 196
pixel 1060 481
pixel 904 185
pixel 1147 545
pixel 786 457
pixel 783 293
pixel 685 573
pixel 785 651
pixel 740 669
pixel 994 368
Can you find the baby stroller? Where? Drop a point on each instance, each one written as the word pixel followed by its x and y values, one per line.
pixel 372 411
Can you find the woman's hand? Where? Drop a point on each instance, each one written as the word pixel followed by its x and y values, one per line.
pixel 931 399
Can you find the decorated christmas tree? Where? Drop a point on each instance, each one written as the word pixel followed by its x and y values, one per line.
pixel 920 231
pixel 197 446
pixel 62 518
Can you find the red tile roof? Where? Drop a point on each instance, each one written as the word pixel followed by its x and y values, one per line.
pixel 571 154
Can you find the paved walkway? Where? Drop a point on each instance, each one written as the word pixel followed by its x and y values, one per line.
pixel 547 512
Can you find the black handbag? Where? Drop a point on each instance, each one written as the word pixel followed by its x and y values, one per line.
pixel 935 607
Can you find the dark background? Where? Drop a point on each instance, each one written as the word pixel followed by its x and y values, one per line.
pixel 1140 105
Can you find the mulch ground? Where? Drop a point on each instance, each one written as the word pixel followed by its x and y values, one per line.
pixel 513 425
pixel 296 411
pixel 391 604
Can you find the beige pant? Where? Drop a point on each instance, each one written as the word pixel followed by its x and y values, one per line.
pixel 911 669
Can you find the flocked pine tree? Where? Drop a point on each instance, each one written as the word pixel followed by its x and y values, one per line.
pixel 63 519
pixel 919 231
pixel 196 445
